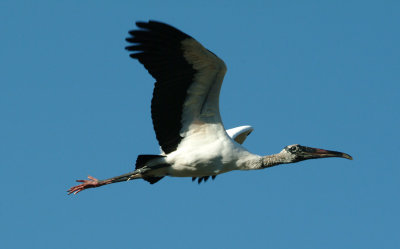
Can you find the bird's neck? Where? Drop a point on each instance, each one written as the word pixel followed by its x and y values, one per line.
pixel 273 160
pixel 262 162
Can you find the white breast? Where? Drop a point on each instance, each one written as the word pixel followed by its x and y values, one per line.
pixel 209 151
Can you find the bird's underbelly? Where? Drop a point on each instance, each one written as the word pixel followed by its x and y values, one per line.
pixel 211 168
pixel 202 161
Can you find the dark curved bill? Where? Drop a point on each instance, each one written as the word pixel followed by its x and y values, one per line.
pixel 320 153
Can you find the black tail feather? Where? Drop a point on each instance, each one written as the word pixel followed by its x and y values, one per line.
pixel 152 179
pixel 141 161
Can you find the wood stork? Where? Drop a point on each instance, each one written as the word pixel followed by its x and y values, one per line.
pixel 185 114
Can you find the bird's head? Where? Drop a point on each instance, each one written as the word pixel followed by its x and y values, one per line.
pixel 295 153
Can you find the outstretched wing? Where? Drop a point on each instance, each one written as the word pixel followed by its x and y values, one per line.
pixel 189 78
pixel 239 134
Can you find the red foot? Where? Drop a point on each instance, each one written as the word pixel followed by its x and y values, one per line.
pixel 91 183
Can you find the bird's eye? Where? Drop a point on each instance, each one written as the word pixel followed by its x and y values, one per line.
pixel 293 149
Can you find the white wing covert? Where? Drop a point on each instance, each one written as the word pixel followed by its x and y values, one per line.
pixel 239 134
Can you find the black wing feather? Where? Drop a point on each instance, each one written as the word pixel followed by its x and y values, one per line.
pixel 158 47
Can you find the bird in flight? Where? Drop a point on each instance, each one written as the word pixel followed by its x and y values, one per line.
pixel 186 117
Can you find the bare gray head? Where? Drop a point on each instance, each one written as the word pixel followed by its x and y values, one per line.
pixel 296 153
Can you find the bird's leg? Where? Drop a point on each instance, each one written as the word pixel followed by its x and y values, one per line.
pixel 91 183
pixel 94 183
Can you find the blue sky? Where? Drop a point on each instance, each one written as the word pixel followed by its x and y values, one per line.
pixel 318 73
